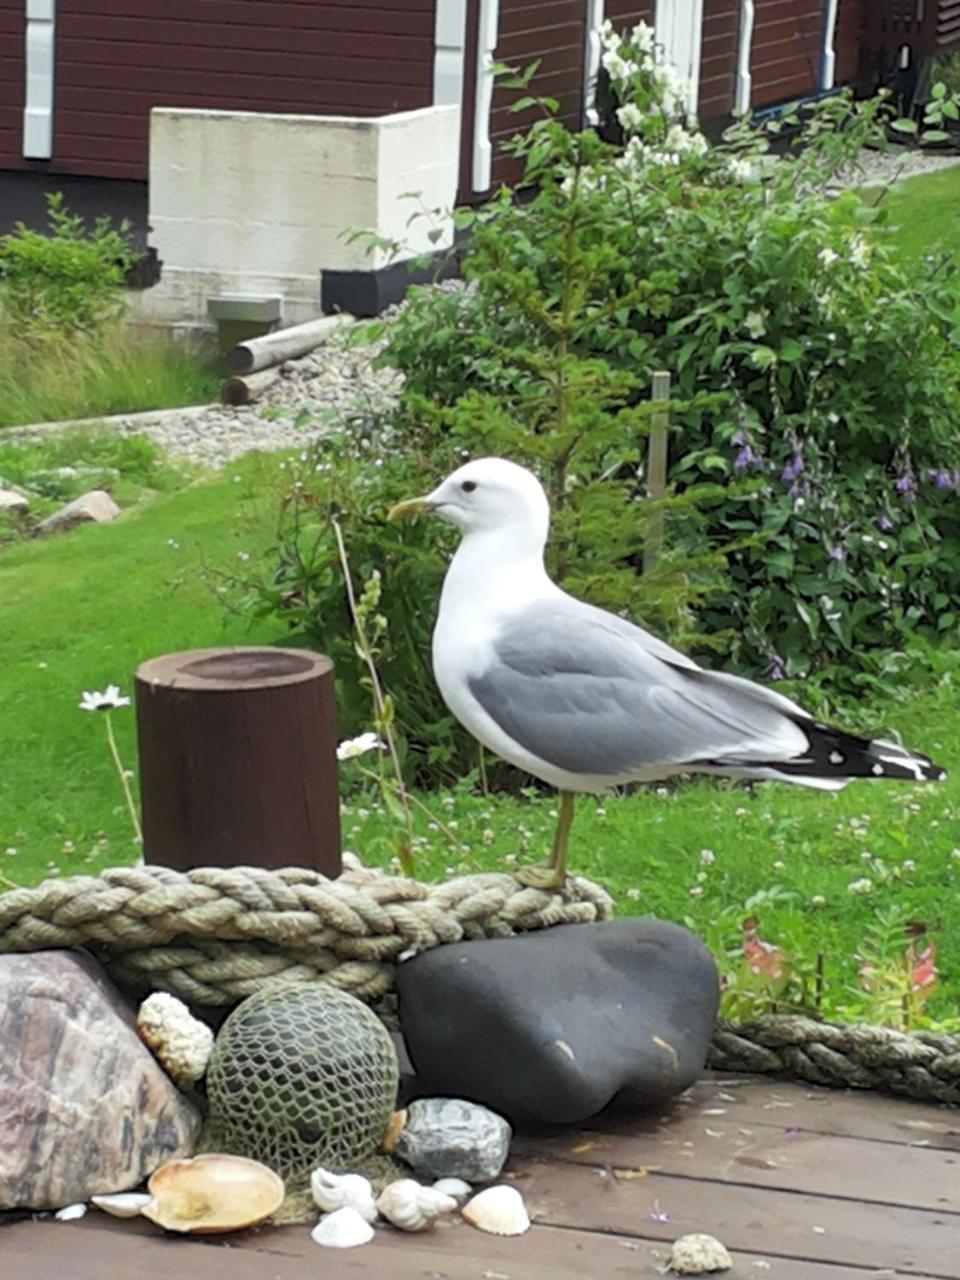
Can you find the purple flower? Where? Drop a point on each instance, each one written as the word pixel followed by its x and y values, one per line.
pixel 792 470
pixel 906 484
pixel 739 437
pixel 776 670
pixel 884 524
pixel 942 479
pixel 747 457
pixel 837 553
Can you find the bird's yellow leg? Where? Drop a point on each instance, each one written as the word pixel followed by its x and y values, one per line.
pixel 554 874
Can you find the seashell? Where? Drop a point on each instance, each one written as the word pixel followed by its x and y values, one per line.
pixel 696 1254
pixel 342 1229
pixel 212 1193
pixel 70 1212
pixel 398 1122
pixel 499 1210
pixel 455 1187
pixel 412 1207
pixel 332 1191
pixel 126 1204
pixel 181 1043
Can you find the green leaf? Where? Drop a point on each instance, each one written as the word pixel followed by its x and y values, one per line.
pixel 904 126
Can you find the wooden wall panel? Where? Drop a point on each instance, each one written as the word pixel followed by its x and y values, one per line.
pixel 555 33
pixel 718 58
pixel 847 37
pixel 12 31
pixel 627 13
pixel 368 57
pixel 785 62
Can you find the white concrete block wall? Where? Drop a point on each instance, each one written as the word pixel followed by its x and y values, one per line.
pixel 244 202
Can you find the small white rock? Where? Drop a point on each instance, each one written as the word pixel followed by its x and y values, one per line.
pixel 182 1043
pixel 696 1254
pixel 10 500
pixel 455 1187
pixel 342 1229
pixel 70 1212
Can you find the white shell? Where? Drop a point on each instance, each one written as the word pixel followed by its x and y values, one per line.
pixel 499 1210
pixel 343 1191
pixel 412 1207
pixel 70 1212
pixel 342 1229
pixel 455 1187
pixel 180 1041
pixel 126 1204
pixel 696 1254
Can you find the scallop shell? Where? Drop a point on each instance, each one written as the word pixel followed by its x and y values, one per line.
pixel 696 1254
pixel 332 1191
pixel 212 1193
pixel 412 1207
pixel 499 1210
pixel 455 1187
pixel 70 1212
pixel 126 1204
pixel 342 1229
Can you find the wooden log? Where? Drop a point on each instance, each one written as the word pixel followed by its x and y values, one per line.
pixel 238 762
pixel 236 390
pixel 284 344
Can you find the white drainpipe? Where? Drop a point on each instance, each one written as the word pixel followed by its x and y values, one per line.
pixel 40 66
pixel 487 28
pixel 741 100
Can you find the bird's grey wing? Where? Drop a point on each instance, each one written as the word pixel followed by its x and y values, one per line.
pixel 594 695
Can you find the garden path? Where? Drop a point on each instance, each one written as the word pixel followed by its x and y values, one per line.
pixel 799 1183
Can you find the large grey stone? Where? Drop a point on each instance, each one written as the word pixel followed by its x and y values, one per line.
pixel 549 1026
pixel 96 506
pixel 449 1138
pixel 85 1109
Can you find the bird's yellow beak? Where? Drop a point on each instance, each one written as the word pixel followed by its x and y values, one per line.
pixel 412 507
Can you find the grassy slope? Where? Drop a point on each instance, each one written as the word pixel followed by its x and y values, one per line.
pixel 81 611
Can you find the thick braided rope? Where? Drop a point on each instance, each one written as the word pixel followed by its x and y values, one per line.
pixel 916 1065
pixel 214 935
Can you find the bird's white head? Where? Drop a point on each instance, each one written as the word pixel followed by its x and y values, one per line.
pixel 488 495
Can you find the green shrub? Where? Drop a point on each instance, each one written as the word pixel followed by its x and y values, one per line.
pixel 813 523
pixel 68 280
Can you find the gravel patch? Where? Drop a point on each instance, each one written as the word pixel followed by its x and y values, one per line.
pixel 880 168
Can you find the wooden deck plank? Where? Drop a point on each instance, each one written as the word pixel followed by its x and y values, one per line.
pixel 710 1148
pixel 43 1250
pixel 751 1219
pixel 843 1112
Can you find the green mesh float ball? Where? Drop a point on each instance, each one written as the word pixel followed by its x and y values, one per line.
pixel 302 1074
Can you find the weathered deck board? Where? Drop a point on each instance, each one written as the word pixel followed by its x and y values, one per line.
pixel 799 1183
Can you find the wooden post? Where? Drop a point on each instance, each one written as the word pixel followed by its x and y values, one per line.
pixel 284 344
pixel 656 470
pixel 238 763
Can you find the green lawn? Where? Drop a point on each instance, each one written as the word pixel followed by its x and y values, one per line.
pixel 81 611
pixel 925 211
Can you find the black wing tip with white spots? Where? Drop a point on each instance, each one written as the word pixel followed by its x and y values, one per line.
pixel 834 755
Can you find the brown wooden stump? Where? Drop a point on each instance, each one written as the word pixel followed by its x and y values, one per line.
pixel 238 763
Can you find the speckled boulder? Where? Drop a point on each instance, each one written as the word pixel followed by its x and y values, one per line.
pixel 549 1026
pixel 85 1109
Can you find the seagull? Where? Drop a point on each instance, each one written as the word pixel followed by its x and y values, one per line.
pixel 585 700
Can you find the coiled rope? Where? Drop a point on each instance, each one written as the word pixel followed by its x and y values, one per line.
pixel 215 935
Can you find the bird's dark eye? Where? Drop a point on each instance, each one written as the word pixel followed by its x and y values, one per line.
pixel 468 486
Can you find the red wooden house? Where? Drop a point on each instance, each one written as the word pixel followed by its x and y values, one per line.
pixel 78 78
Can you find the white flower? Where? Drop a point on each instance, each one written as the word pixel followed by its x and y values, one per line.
pixel 642 37
pixel 707 857
pixel 818 900
pixel 826 257
pixel 864 885
pixel 618 69
pixel 696 891
pixel 740 169
pixel 630 116
pixel 859 252
pixel 106 701
pixel 352 747
pixel 753 323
